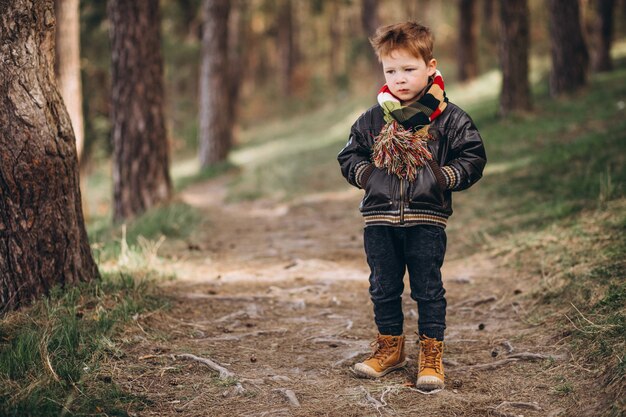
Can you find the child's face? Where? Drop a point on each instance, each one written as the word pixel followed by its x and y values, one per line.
pixel 407 75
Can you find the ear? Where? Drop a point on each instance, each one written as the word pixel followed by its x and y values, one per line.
pixel 432 67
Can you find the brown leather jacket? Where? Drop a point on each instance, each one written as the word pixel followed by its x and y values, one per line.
pixel 459 160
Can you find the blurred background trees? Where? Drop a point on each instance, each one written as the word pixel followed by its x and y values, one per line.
pixel 272 59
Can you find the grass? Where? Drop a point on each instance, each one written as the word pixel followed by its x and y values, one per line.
pixel 143 235
pixel 50 352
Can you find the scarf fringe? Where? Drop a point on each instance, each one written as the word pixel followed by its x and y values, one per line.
pixel 402 152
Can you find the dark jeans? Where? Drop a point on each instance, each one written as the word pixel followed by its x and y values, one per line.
pixel 390 251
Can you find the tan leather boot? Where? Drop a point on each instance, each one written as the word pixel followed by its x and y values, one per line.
pixel 430 374
pixel 388 355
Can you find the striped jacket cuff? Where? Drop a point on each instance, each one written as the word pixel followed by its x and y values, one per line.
pixel 362 172
pixel 453 177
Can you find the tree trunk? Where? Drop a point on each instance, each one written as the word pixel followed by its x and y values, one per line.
pixel 286 46
pixel 369 16
pixel 140 148
pixel 369 22
pixel 515 34
pixel 238 59
pixel 68 65
pixel 570 59
pixel 334 33
pixel 43 241
pixel 602 56
pixel 490 20
pixel 215 129
pixel 467 47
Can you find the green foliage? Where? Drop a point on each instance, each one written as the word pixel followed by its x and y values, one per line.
pixel 50 352
pixel 175 220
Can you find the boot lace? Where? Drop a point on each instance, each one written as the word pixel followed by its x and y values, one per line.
pixel 382 347
pixel 431 350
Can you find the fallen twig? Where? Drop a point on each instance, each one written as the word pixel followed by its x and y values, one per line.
pixel 217 297
pixel 477 301
pixel 148 357
pixel 371 400
pixel 238 337
pixel 290 396
pixel 519 404
pixel 512 358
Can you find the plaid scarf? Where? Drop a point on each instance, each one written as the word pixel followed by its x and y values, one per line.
pixel 400 147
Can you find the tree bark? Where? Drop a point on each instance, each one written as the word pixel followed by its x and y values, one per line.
pixel 141 177
pixel 570 58
pixel 467 46
pixel 215 127
pixel 67 65
pixel 43 241
pixel 514 44
pixel 602 56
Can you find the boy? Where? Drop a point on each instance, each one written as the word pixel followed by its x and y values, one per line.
pixel 409 153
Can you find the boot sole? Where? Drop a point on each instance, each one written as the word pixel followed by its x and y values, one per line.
pixel 367 372
pixel 429 383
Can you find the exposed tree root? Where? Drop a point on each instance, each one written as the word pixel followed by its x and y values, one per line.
pixel 224 373
pixel 290 396
pixel 528 356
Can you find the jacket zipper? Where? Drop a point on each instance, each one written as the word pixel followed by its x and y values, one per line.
pixel 401 200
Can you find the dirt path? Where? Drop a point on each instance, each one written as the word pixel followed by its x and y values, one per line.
pixel 277 294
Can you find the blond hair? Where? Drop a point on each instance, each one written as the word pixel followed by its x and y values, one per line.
pixel 417 39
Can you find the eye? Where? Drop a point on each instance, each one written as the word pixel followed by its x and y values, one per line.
pixel 389 72
pixel 410 69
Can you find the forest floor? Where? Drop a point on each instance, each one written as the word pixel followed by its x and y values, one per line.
pixel 272 284
pixel 277 293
